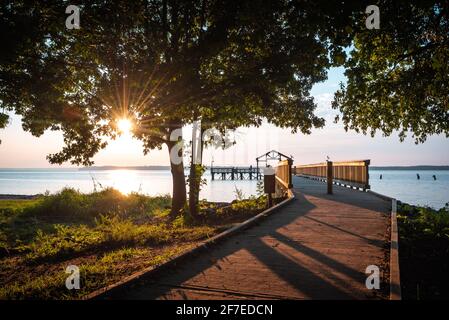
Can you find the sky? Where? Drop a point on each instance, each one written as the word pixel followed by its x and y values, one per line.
pixel 19 149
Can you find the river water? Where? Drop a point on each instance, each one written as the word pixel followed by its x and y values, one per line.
pixel 400 184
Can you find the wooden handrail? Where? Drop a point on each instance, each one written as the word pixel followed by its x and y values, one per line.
pixel 353 173
pixel 284 172
pixel 282 182
pixel 339 163
pixel 355 163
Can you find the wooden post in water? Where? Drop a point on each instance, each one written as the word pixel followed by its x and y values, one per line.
pixel 329 177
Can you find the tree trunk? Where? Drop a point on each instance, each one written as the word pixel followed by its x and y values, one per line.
pixel 179 197
pixel 195 179
pixel 193 203
pixel 194 189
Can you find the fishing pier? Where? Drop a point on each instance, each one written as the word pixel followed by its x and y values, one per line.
pixel 248 173
pixel 235 173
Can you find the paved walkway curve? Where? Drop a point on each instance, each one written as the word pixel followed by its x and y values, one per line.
pixel 316 247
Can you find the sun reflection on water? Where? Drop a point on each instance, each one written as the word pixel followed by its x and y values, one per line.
pixel 125 181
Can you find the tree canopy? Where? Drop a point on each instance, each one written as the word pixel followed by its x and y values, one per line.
pixel 398 75
pixel 165 63
pixel 160 62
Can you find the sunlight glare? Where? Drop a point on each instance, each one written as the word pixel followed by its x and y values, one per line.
pixel 125 181
pixel 125 126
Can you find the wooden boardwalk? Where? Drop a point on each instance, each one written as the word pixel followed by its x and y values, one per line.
pixel 316 247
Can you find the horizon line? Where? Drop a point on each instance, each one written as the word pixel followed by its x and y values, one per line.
pixel 217 165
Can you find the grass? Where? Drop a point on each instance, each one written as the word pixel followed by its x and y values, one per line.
pixel 106 234
pixel 424 252
pixel 17 204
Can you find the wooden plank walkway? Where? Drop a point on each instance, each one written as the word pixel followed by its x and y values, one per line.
pixel 317 247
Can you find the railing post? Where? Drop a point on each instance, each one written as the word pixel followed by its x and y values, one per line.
pixel 290 182
pixel 329 177
pixel 367 163
pixel 269 184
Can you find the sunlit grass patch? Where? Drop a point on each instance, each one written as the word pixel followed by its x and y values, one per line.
pixel 108 235
pixel 17 204
pixel 95 273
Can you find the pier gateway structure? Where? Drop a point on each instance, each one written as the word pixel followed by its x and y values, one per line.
pixel 248 173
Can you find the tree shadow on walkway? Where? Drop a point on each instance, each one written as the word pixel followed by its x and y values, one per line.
pixel 306 282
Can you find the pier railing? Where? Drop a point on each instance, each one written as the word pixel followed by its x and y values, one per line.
pixel 284 177
pixel 347 173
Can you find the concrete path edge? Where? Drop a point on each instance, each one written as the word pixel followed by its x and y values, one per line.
pixel 395 278
pixel 102 293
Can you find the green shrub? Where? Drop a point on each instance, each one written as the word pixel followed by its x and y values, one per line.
pixel 424 252
pixel 250 204
pixel 67 202
pixel 70 203
pixel 425 221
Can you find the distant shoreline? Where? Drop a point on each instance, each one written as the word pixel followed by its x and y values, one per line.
pixel 125 168
pixel 409 167
pixel 419 167
pixel 17 196
pixel 104 168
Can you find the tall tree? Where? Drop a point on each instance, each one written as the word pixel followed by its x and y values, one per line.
pixel 166 63
pixel 398 75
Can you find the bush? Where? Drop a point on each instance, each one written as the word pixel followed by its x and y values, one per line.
pixel 70 203
pixel 67 202
pixel 424 222
pixel 424 252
